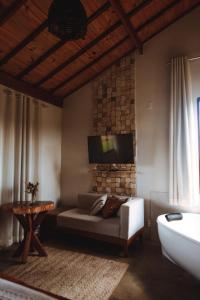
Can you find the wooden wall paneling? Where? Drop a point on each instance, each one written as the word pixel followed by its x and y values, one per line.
pixel 19 28
pixel 10 11
pixel 155 7
pixel 41 6
pixel 128 26
pixel 51 63
pixel 92 6
pixel 58 45
pixel 183 8
pixel 28 89
pixel 104 54
pixel 92 43
pixel 86 80
pixel 62 54
pixel 129 4
pixel 77 55
pixel 158 14
pixel 72 68
pixel 29 53
pixel 23 43
pixel 168 7
pixel 60 67
pixel 86 58
pixel 154 17
pixel 65 51
pixel 101 65
pixel 4 5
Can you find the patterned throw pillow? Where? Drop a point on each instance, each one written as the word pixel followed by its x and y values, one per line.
pixel 112 206
pixel 98 205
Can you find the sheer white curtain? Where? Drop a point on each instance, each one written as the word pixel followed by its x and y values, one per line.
pixel 19 146
pixel 184 172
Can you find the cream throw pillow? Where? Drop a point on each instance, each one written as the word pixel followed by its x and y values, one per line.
pixel 98 205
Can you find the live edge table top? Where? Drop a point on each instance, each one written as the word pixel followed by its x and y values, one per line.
pixel 30 216
pixel 23 208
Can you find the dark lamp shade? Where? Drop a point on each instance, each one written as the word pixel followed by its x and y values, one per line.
pixel 67 19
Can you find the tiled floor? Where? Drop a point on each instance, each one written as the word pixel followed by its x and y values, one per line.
pixel 149 277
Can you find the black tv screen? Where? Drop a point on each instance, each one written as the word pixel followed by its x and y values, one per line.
pixel 109 149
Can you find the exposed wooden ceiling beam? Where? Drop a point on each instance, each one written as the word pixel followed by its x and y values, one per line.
pixel 101 36
pixel 29 89
pixel 127 24
pixel 61 43
pixel 66 81
pixel 10 11
pixel 23 43
pixel 174 21
pixel 41 94
pixel 96 75
pixel 152 19
pixel 157 15
pixel 92 43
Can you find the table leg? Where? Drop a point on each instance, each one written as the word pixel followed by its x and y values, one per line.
pixel 37 220
pixel 27 240
pixel 31 242
pixel 23 222
pixel 36 242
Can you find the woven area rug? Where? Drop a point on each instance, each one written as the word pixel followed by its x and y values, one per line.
pixel 71 274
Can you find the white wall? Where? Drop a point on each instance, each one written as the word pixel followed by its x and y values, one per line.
pixel 152 115
pixel 50 135
pixel 77 125
pixel 152 106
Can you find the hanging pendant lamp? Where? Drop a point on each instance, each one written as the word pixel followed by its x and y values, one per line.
pixel 67 19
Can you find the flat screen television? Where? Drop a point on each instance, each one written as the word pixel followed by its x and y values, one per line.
pixel 110 149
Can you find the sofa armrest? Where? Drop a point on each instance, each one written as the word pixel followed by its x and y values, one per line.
pixel 131 217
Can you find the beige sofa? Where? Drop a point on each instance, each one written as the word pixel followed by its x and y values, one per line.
pixel 122 229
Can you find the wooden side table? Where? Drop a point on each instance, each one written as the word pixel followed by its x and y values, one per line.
pixel 30 216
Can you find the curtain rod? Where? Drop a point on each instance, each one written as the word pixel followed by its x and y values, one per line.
pixel 194 58
pixel 191 59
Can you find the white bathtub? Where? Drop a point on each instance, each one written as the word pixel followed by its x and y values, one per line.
pixel 180 241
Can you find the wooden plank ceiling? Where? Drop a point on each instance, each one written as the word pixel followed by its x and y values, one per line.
pixel 36 62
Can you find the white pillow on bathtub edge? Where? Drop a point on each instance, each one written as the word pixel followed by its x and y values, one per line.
pixel 98 205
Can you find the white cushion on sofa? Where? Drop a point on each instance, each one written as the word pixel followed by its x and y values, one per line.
pixel 81 219
pixel 98 205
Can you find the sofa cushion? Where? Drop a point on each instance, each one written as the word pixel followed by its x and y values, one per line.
pixel 86 200
pixel 98 205
pixel 112 206
pixel 80 219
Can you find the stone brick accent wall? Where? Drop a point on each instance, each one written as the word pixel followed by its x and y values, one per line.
pixel 114 93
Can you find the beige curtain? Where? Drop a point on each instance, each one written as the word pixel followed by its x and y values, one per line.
pixel 184 172
pixel 19 146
